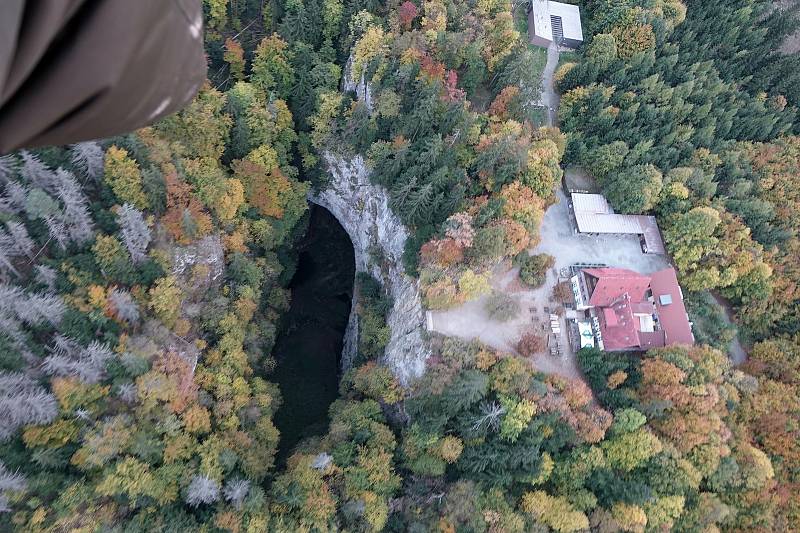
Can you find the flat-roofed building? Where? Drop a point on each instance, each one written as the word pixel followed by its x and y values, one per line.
pixel 555 22
pixel 593 215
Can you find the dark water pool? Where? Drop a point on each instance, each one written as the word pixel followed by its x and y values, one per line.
pixel 309 345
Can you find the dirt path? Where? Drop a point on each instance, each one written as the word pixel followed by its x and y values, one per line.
pixel 736 351
pixel 550 98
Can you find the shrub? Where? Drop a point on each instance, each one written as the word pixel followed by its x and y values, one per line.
pixel 531 344
pixel 444 252
pixel 501 307
pixel 489 244
pixel 439 291
pixel 562 292
pixel 373 305
pixel 472 285
pixel 533 268
pixel 459 353
pixel 375 382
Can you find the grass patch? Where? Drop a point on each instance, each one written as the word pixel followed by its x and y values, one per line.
pixel 568 57
pixel 521 19
pixel 541 58
pixel 538 117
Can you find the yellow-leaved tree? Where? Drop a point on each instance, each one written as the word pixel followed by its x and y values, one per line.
pixel 124 177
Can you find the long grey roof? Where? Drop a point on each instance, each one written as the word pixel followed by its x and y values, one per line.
pixel 594 215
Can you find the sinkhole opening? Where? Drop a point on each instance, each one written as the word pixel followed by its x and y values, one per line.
pixel 309 345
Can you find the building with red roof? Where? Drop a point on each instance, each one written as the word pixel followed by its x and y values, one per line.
pixel 633 311
pixel 606 285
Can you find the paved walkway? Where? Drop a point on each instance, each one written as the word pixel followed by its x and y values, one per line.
pixel 559 239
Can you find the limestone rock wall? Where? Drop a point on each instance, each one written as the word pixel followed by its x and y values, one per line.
pixel 361 88
pixel 378 239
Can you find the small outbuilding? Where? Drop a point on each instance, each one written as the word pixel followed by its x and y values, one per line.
pixel 555 22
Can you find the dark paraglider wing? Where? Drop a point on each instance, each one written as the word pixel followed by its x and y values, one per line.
pixel 74 70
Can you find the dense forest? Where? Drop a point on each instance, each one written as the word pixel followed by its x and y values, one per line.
pixel 143 279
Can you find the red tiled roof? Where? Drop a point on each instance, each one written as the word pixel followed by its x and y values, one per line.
pixel 620 293
pixel 614 282
pixel 652 339
pixel 672 316
pixel 621 332
pixel 610 316
pixel 643 308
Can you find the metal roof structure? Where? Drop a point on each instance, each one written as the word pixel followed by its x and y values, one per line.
pixel 593 214
pixel 591 203
pixel 555 21
pixel 607 223
pixel 652 236
pixel 570 19
pixel 540 15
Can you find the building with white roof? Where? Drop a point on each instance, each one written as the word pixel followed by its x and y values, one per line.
pixel 594 215
pixel 555 22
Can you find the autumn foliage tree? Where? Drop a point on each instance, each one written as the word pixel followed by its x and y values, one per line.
pixel 407 12
pixel 531 344
pixel 263 186
pixel 272 70
pixel 234 56
pixel 185 218
pixel 124 177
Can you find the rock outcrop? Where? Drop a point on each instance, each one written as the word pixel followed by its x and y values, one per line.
pixel 378 238
pixel 361 88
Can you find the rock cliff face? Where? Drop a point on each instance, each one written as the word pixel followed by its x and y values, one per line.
pixel 361 88
pixel 378 239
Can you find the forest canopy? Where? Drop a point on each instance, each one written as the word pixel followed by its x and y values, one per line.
pixel 143 279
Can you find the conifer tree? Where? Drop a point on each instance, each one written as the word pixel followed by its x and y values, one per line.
pixel 89 158
pixel 22 402
pixel 135 232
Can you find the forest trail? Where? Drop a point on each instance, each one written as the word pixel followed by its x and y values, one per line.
pixel 736 351
pixel 550 98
